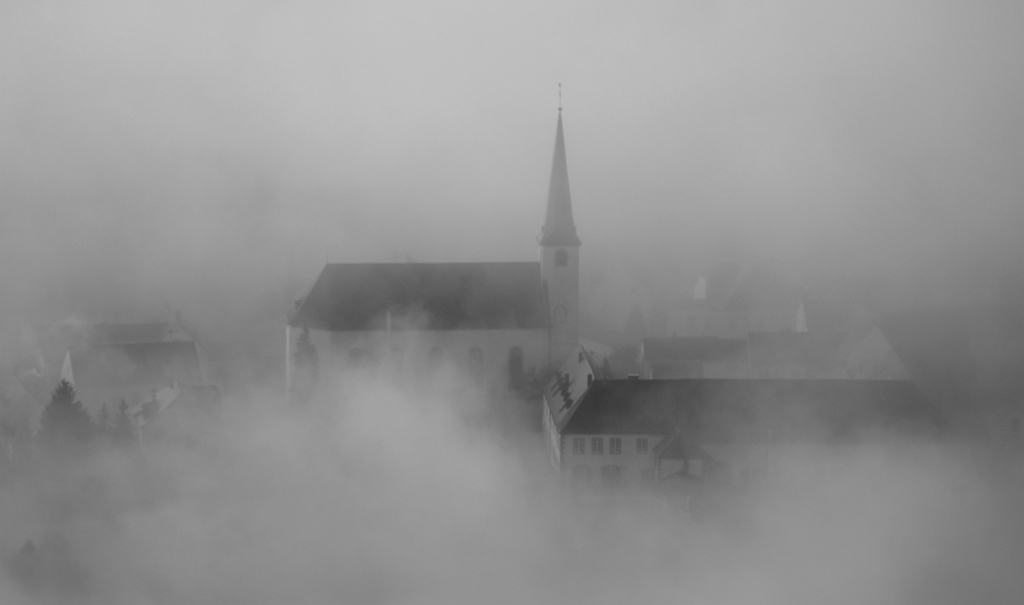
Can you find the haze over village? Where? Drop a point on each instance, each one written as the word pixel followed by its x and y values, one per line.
pixel 706 302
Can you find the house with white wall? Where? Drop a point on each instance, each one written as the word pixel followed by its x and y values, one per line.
pixel 637 432
pixel 110 362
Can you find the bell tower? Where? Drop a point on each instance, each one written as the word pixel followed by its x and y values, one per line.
pixel 560 258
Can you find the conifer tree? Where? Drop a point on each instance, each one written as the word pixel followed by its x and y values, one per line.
pixel 305 355
pixel 65 419
pixel 122 428
pixel 307 364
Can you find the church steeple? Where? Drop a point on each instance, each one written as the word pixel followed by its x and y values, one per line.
pixel 560 259
pixel 559 229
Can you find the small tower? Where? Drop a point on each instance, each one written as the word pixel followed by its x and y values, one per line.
pixel 560 258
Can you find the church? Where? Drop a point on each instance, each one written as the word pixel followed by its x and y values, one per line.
pixel 502 322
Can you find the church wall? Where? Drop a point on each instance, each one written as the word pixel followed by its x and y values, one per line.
pixel 416 350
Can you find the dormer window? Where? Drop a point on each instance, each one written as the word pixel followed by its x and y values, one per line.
pixel 561 257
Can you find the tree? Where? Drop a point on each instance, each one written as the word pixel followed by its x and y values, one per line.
pixel 65 419
pixel 122 428
pixel 305 354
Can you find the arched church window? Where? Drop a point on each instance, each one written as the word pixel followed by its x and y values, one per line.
pixel 561 257
pixel 560 314
pixel 476 360
pixel 515 368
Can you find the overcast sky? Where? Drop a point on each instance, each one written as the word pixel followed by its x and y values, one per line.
pixel 144 146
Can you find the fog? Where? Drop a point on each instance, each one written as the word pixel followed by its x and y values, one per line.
pixel 218 147
pixel 382 496
pixel 209 157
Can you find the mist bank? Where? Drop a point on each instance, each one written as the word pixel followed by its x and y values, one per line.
pixel 378 493
pixel 210 157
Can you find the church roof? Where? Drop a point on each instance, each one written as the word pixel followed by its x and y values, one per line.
pixel 429 296
pixel 559 228
pixel 725 410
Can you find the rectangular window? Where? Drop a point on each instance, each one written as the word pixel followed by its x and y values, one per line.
pixel 615 446
pixel 641 445
pixel 579 446
pixel 597 445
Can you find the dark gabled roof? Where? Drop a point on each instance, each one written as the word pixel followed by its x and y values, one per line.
pixel 760 349
pixel 568 385
pixel 692 348
pixel 433 296
pixel 934 344
pixel 725 410
pixel 786 347
pixel 630 406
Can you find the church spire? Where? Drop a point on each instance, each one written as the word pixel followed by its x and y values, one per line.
pixel 559 229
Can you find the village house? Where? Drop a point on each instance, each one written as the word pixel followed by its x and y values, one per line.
pixel 156 368
pixel 107 362
pixel 602 431
pixel 864 354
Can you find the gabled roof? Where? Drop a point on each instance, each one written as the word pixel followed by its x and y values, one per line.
pixel 568 386
pixel 692 348
pixel 142 364
pixel 934 345
pixel 430 296
pixel 125 333
pixel 201 398
pixel 725 410
pixel 818 349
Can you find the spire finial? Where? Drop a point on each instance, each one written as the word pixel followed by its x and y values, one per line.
pixel 559 97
